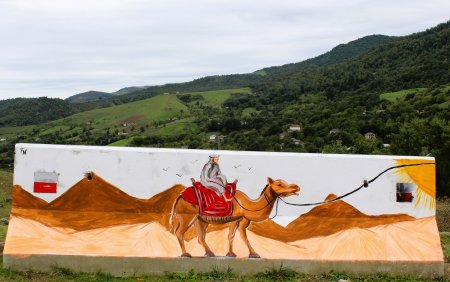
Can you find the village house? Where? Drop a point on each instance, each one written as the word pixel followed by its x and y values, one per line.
pixel 298 142
pixel 216 138
pixel 294 127
pixel 212 138
pixel 335 130
pixel 370 136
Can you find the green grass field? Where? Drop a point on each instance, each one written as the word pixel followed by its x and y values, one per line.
pixel 444 105
pixel 185 125
pixel 6 179
pixel 445 241
pixel 261 73
pixel 217 97
pixel 166 108
pixel 10 132
pixel 248 111
pixel 122 142
pixel 158 108
pixel 399 95
pixel 161 107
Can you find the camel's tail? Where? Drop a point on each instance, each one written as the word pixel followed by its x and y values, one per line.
pixel 174 228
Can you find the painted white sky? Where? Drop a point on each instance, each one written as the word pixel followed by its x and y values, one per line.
pixel 145 172
pixel 64 47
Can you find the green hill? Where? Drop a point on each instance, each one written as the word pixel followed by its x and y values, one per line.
pixel 338 54
pixel 336 104
pixel 161 107
pixel 397 88
pixel 24 111
pixel 414 61
pixel 88 96
pixel 163 114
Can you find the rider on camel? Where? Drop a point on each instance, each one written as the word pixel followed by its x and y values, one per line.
pixel 212 178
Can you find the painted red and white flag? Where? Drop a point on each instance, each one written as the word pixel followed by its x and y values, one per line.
pixel 45 182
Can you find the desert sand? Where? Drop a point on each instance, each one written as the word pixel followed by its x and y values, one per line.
pixel 402 241
pixel 97 218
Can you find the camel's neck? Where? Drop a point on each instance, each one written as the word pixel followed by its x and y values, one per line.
pixel 260 208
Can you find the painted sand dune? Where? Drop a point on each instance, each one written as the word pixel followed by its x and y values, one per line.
pixel 325 220
pixel 94 203
pixel 415 240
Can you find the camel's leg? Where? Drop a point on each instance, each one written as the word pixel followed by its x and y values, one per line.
pixel 185 221
pixel 201 232
pixel 243 231
pixel 184 215
pixel 231 232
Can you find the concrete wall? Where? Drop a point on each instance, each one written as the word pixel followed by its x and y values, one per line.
pixel 109 203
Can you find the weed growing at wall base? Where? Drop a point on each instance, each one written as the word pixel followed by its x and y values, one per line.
pixel 275 273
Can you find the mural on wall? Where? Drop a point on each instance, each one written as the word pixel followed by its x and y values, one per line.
pixel 214 212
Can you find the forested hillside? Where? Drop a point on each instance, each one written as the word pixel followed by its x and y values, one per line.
pixel 88 96
pixel 396 88
pixel 216 82
pixel 339 103
pixel 338 54
pixel 24 111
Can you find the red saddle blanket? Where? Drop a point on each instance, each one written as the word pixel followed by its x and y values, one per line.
pixel 208 201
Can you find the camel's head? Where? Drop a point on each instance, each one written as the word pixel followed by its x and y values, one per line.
pixel 282 188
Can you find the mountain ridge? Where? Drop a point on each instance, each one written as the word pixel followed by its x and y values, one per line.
pixel 335 104
pixel 88 96
pixel 337 54
pixel 341 52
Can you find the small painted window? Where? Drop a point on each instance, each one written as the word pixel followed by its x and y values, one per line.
pixel 405 192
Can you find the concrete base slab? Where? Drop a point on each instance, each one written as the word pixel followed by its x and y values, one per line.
pixel 135 266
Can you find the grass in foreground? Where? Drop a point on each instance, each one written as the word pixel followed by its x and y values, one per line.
pixel 445 242
pixel 271 274
pixel 443 214
pixel 6 178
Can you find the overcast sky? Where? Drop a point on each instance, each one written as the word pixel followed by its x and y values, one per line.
pixel 61 48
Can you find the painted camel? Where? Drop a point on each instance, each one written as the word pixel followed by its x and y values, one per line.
pixel 245 211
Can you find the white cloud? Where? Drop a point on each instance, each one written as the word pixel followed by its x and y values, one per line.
pixel 60 48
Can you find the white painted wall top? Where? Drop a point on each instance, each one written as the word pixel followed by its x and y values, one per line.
pixel 144 172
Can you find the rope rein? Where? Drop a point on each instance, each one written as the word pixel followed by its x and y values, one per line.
pixel 365 185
